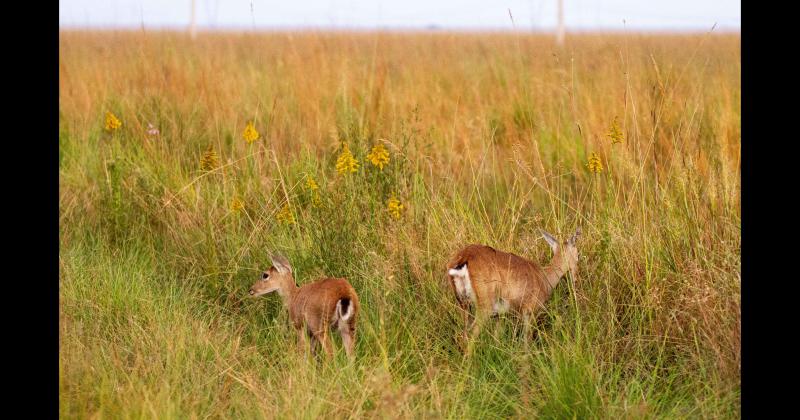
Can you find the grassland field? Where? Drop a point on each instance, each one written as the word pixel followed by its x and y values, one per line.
pixel 169 216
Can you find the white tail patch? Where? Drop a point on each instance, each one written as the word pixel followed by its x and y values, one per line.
pixel 345 314
pixel 462 282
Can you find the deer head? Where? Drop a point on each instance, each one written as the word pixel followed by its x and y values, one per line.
pixel 278 278
pixel 565 255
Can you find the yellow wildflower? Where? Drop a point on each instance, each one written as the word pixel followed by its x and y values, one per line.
pixel 379 156
pixel 112 122
pixel 236 205
pixel 314 188
pixel 250 133
pixel 394 207
pixel 594 164
pixel 285 215
pixel 311 184
pixel 614 133
pixel 209 161
pixel 346 162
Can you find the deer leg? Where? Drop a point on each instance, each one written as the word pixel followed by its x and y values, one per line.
pixel 325 339
pixel 483 312
pixel 532 324
pixel 477 324
pixel 478 321
pixel 526 325
pixel 468 319
pixel 496 325
pixel 348 333
pixel 302 342
pixel 314 341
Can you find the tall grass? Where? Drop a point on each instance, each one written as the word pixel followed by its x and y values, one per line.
pixel 489 135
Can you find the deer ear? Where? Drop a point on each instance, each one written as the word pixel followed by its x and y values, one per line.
pixel 550 240
pixel 281 264
pixel 574 237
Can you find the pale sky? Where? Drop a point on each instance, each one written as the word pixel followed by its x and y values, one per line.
pixel 404 14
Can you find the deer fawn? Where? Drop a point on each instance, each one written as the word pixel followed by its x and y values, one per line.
pixel 314 308
pixel 496 282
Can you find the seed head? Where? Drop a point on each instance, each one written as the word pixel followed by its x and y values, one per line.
pixel 614 133
pixel 209 161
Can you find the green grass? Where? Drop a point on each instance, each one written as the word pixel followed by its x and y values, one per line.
pixel 489 137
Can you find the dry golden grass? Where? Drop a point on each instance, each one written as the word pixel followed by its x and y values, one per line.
pixel 489 136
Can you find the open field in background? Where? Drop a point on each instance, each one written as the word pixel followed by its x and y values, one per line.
pixel 489 136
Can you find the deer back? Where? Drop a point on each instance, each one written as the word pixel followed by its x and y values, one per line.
pixel 315 303
pixel 496 275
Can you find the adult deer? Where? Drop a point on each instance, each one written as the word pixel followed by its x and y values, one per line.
pixel 496 282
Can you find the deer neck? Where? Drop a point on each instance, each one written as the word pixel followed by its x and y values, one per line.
pixel 288 293
pixel 554 272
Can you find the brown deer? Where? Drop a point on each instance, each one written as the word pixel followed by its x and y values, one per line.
pixel 314 308
pixel 496 282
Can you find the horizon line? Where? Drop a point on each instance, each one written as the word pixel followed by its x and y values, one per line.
pixel 396 29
